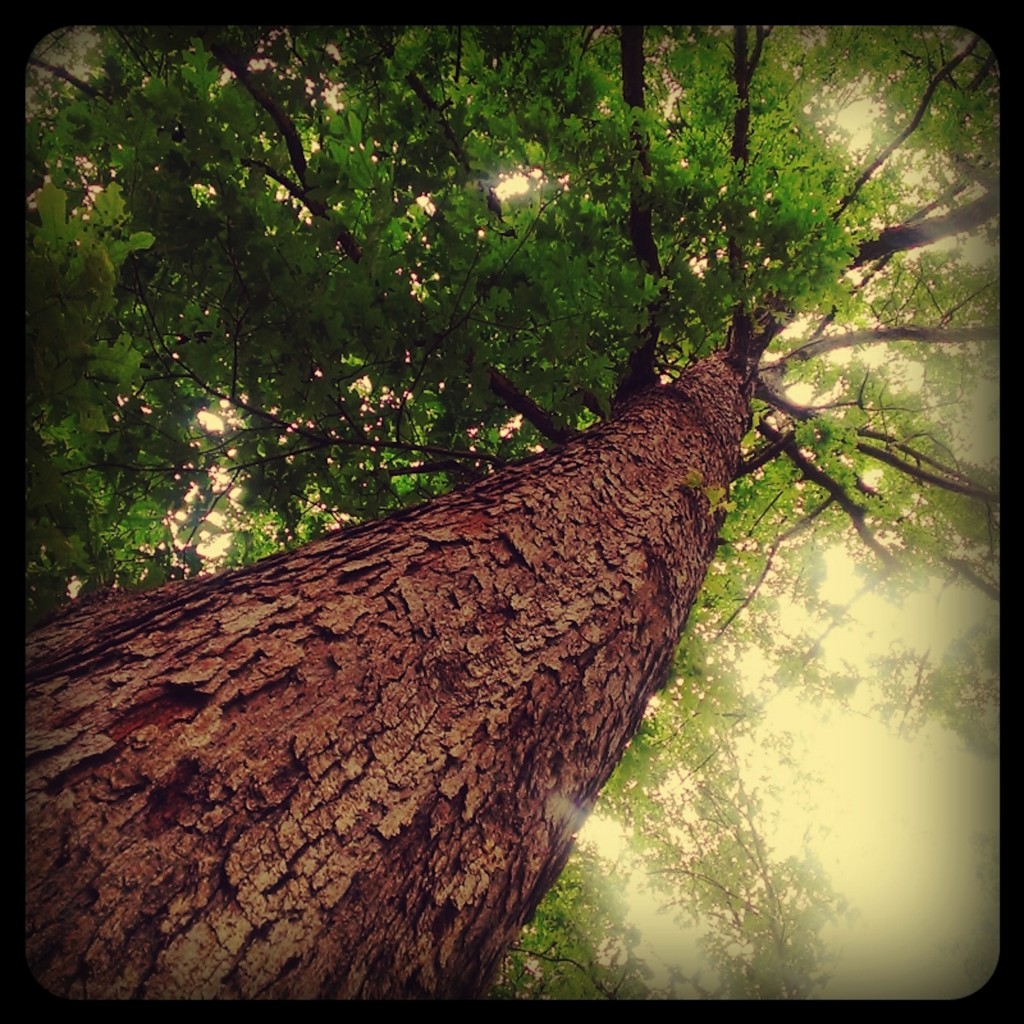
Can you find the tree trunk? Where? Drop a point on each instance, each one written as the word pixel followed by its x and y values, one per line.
pixel 354 769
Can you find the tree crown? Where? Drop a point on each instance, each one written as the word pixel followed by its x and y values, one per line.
pixel 282 281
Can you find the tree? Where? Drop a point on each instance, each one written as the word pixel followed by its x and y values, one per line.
pixel 310 278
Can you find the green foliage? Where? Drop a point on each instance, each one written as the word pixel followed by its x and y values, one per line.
pixel 576 946
pixel 71 271
pixel 264 306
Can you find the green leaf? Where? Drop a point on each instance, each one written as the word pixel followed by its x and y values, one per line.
pixel 52 203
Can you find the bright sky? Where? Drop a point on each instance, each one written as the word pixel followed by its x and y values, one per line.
pixel 898 825
pixel 892 820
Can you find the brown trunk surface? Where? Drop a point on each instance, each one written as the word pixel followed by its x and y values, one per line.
pixel 354 769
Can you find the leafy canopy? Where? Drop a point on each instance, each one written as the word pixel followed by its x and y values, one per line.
pixel 281 281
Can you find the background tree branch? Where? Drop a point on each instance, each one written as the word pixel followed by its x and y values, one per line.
pixel 944 72
pixel 240 68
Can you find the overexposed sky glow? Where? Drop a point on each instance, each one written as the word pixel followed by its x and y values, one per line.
pixel 902 826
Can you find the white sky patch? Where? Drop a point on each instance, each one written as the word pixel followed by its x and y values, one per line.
pixel 513 426
pixel 216 546
pixel 606 835
pixel 210 422
pixel 873 477
pixel 858 118
pixel 800 393
pixel 516 185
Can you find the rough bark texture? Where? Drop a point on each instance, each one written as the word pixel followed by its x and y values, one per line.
pixel 354 769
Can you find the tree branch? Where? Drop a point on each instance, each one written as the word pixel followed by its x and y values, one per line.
pixel 321 440
pixel 963 568
pixel 345 238
pixel 527 407
pixel 762 458
pixel 892 442
pixel 741 75
pixel 285 125
pixel 317 439
pixel 741 330
pixel 958 486
pixel 762 32
pixel 950 480
pixel 799 527
pixel 913 235
pixel 644 247
pixel 499 384
pixel 440 466
pixel 815 649
pixel 922 108
pixel 58 72
pixel 856 512
pixel 925 335
pixel 454 143
pixel 315 206
pixel 987 65
pixel 749 334
pixel 287 128
pixel 640 370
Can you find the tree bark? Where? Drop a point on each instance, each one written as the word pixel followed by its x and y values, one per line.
pixel 353 770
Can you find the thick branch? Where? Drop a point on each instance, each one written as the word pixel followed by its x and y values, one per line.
pixel 745 342
pixel 640 229
pixel 640 372
pixel 284 123
pixel 762 32
pixel 528 408
pixel 741 332
pixel 741 73
pixel 956 484
pixel 926 335
pixel 768 390
pixel 922 108
pixel 913 236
